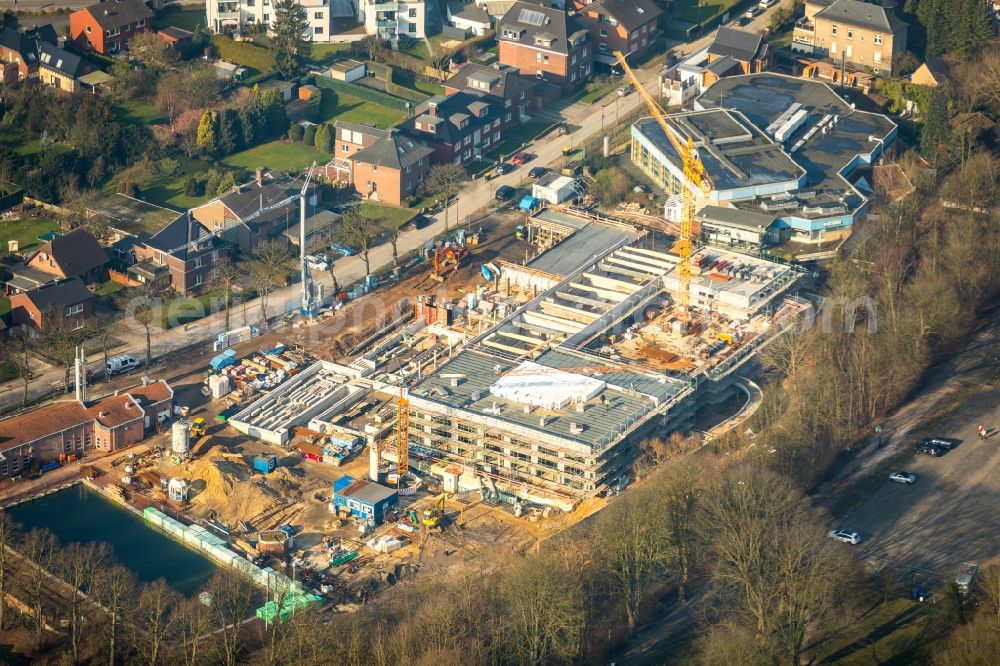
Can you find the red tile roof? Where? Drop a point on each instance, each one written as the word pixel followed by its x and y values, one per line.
pixel 151 393
pixel 41 422
pixel 116 410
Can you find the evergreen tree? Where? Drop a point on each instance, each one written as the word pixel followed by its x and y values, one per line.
pixel 324 138
pixel 976 28
pixel 252 121
pixel 936 132
pixel 295 132
pixel 207 140
pixel 309 136
pixel 229 132
pixel 291 46
pixel 226 183
pixel 275 119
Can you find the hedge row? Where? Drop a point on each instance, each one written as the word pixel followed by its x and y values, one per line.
pixel 246 54
pixel 362 92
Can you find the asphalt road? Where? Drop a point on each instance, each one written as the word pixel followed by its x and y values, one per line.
pixel 949 515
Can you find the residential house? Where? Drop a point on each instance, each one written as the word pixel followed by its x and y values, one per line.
pixel 74 254
pixel 390 20
pixel 546 43
pixel 860 34
pixel 459 128
pixel 499 85
pixel 19 50
pixel 234 16
pixel 181 255
pixel 109 26
pixel 472 18
pixel 384 165
pixel 61 69
pixel 933 73
pixel 253 212
pixel 731 53
pixel 629 26
pixel 64 303
pixel 73 427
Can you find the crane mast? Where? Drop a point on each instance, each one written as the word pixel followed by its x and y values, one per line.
pixel 402 437
pixel 694 174
pixel 308 306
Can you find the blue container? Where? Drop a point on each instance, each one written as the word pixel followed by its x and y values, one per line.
pixel 265 464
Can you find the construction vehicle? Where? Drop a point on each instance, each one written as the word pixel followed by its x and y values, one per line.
pixel 695 177
pixel 445 256
pixel 198 427
pixel 433 515
pixel 521 232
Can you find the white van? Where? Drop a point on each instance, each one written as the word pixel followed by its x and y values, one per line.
pixel 123 363
pixel 764 4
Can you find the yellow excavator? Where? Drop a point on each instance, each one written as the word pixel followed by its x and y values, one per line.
pixel 432 515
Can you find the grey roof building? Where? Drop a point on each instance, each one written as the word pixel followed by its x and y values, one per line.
pixel 531 25
pixel 394 151
pixel 738 44
pixel 862 14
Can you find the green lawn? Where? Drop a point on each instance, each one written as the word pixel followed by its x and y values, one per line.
pixel 326 53
pixel 388 216
pixel 26 232
pixel 596 91
pixel 419 50
pixel 166 191
pixel 532 129
pixel 186 19
pixel 108 288
pixel 4 306
pixel 699 11
pixel 278 154
pixel 353 110
pixel 140 113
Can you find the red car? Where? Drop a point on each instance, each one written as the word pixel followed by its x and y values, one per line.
pixel 521 158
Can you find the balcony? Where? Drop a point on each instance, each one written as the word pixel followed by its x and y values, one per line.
pixel 805 24
pixel 386 25
pixel 228 16
pixel 384 7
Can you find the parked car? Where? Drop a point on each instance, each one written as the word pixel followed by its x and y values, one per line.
pixel 940 442
pixel 505 193
pixel 903 477
pixel 764 4
pixel 318 262
pixel 501 168
pixel 928 449
pixel 119 364
pixel 421 221
pixel 844 536
pixel 343 249
pixel 743 21
pixel 521 158
pixel 537 172
pixel 752 12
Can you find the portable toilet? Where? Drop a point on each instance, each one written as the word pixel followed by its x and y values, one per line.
pixel 265 464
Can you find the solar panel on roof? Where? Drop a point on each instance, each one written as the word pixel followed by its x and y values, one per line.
pixel 531 17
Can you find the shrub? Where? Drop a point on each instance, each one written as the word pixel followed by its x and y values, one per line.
pixel 309 136
pixel 194 186
pixel 247 54
pixel 294 132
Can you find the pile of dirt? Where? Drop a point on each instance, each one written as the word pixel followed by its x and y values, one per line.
pixel 223 483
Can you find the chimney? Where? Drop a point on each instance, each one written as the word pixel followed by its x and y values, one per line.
pixel 432 109
pixel 575 428
pixel 145 380
pixel 541 421
pixel 260 176
pixel 579 407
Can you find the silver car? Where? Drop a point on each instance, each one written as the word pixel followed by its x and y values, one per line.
pixel 903 477
pixel 844 536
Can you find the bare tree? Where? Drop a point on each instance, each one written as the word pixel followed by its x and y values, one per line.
pixel 114 588
pixel 155 620
pixel 232 602
pixel 104 337
pixel 39 547
pixel 633 550
pixel 360 230
pixel 10 532
pixel 682 486
pixel 77 564
pixel 194 622
pixel 990 586
pixel 394 242
pixel 225 277
pixel 277 629
pixel 268 269
pixel 60 339
pixel 22 341
pixel 445 180
pixel 145 312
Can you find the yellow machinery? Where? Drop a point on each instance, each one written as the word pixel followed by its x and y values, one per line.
pixel 694 176
pixel 402 437
pixel 198 427
pixel 432 515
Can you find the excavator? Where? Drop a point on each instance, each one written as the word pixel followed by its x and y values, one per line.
pixel 432 515
pixel 445 256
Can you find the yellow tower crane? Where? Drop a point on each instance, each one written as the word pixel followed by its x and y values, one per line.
pixel 694 177
pixel 402 437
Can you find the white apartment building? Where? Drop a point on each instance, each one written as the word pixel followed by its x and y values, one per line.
pixel 389 20
pixel 235 15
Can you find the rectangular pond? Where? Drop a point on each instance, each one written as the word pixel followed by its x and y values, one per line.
pixel 80 514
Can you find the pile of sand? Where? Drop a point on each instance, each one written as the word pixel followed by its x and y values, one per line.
pixel 224 483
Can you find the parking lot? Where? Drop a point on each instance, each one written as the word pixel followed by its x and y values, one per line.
pixel 950 514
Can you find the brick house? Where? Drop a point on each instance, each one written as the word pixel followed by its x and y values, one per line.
pixel 545 43
pixel 629 26
pixel 109 26
pixel 73 427
pixel 19 50
pixel 75 254
pixel 61 69
pixel 252 212
pixel 862 34
pixel 181 255
pixel 747 49
pixel 66 302
pixel 499 85
pixel 459 127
